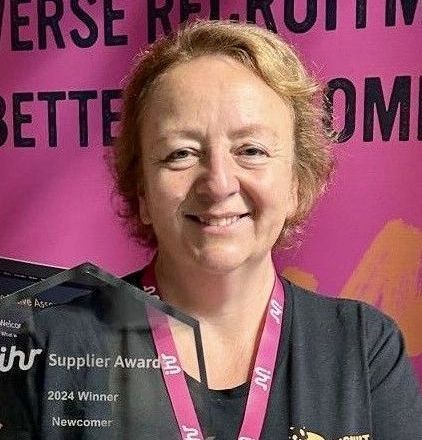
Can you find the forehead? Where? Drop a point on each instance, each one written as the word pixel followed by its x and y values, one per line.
pixel 214 91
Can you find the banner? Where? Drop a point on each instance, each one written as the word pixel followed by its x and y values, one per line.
pixel 61 69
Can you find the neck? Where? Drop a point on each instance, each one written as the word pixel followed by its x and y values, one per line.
pixel 215 299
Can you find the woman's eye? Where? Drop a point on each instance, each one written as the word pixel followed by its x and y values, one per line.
pixel 253 151
pixel 181 159
pixel 179 155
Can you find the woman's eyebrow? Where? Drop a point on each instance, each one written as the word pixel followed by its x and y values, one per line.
pixel 253 129
pixel 185 133
pixel 197 135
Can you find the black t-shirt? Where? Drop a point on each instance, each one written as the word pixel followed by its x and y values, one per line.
pixel 341 374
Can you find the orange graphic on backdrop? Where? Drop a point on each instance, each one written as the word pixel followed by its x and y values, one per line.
pixel 388 276
pixel 300 277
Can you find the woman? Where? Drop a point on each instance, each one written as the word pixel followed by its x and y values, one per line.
pixel 220 158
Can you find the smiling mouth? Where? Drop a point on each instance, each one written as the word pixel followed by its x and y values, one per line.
pixel 216 221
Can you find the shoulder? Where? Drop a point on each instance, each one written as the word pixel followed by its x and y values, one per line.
pixel 351 327
pixel 318 307
pixel 359 349
pixel 343 323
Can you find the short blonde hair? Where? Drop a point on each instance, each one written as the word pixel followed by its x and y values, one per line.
pixel 274 61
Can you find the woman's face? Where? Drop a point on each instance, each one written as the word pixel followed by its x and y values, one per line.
pixel 217 154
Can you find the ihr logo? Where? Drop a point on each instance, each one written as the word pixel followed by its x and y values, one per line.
pixel 17 354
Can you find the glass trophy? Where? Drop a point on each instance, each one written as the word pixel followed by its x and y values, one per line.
pixel 85 355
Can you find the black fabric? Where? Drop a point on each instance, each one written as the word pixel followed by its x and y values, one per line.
pixel 342 373
pixel 226 408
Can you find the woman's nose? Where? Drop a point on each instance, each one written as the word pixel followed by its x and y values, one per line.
pixel 218 180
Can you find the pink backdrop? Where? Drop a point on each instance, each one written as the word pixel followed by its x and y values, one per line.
pixel 365 238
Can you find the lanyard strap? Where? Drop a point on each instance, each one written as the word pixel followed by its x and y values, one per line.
pixel 177 388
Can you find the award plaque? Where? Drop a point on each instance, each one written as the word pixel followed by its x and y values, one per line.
pixel 85 355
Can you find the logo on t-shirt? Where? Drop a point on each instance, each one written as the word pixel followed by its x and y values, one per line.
pixel 304 434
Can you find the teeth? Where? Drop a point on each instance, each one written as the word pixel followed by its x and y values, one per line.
pixel 224 221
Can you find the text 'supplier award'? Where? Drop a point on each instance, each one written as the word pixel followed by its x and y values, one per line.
pixel 78 360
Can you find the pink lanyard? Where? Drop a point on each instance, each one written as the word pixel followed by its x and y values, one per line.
pixel 177 388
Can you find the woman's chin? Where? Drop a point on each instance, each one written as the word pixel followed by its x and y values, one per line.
pixel 220 260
